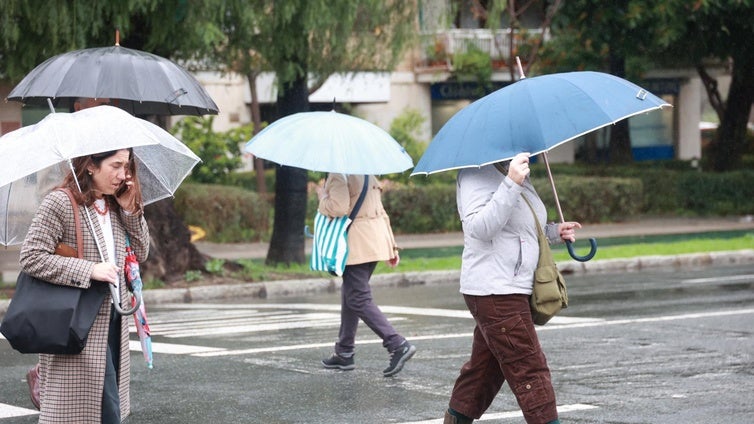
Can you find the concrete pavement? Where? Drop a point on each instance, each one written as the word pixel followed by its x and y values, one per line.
pixel 645 227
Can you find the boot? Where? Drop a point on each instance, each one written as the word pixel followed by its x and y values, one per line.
pixel 32 379
pixel 452 419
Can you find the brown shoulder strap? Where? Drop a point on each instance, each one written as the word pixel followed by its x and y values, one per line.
pixel 79 236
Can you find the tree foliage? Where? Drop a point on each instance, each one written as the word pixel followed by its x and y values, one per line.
pixel 219 151
pixel 304 42
pixel 590 34
pixel 614 37
pixel 719 30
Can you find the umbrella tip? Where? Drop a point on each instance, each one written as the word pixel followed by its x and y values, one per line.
pixel 117 37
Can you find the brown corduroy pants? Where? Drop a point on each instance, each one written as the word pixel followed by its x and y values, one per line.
pixel 505 348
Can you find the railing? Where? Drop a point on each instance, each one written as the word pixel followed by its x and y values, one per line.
pixel 438 48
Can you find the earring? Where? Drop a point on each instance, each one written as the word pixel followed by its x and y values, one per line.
pixel 89 172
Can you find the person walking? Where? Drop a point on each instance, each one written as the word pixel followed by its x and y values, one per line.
pixel 370 240
pixel 32 376
pixel 497 273
pixel 93 386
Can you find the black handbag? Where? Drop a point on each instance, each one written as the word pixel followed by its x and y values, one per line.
pixel 50 318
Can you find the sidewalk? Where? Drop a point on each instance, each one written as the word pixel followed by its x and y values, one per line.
pixel 645 227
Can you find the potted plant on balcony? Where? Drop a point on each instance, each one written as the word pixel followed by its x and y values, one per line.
pixel 474 65
pixel 436 55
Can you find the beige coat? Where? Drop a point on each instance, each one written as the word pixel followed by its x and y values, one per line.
pixel 370 237
pixel 71 385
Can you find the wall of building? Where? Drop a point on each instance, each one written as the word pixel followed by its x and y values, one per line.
pixel 10 112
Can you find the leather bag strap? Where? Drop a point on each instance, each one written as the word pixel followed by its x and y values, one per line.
pixel 77 220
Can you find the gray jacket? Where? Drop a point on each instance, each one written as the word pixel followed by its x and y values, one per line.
pixel 500 250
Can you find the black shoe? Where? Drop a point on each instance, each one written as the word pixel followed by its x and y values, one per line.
pixel 399 357
pixel 338 362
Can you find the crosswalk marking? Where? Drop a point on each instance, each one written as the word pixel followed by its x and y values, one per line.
pixel 558 323
pixel 511 414
pixel 10 411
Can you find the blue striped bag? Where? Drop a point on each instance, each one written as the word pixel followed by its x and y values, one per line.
pixel 330 247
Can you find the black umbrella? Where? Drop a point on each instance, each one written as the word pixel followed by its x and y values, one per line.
pixel 139 82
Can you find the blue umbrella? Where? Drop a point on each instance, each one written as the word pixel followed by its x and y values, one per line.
pixel 330 142
pixel 534 115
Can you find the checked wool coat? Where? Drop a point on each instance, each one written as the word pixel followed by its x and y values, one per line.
pixel 72 385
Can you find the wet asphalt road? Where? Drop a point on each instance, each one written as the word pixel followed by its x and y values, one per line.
pixel 652 347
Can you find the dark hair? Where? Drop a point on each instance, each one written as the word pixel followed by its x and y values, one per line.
pixel 81 165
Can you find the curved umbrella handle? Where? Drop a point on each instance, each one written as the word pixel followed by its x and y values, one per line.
pixel 590 255
pixel 137 295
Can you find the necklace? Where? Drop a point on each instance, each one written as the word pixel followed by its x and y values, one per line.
pixel 102 211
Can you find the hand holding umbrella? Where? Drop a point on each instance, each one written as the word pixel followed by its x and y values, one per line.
pixel 518 170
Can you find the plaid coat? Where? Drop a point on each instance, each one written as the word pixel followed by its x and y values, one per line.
pixel 71 385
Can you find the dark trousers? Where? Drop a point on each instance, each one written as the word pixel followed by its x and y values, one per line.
pixel 110 396
pixel 357 303
pixel 505 347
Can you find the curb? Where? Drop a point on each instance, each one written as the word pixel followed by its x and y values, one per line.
pixel 282 288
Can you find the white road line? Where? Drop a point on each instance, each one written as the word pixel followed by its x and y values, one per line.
pixel 720 279
pixel 177 349
pixel 592 323
pixel 511 414
pixel 10 411
pixel 399 310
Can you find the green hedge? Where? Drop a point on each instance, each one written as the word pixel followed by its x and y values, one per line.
pixel 587 195
pixel 731 193
pixel 226 214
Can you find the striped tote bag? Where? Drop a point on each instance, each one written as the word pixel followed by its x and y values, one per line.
pixel 330 246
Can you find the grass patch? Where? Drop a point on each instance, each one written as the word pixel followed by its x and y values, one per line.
pixel 449 258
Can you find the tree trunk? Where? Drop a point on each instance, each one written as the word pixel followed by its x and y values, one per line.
pixel 620 137
pixel 730 139
pixel 171 252
pixel 287 242
pixel 256 119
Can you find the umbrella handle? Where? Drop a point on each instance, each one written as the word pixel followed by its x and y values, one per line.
pixel 137 295
pixel 589 256
pixel 307 233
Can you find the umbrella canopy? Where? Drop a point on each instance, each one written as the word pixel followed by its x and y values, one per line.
pixel 330 142
pixel 139 82
pixel 36 159
pixel 533 115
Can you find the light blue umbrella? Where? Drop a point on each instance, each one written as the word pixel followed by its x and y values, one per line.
pixel 534 115
pixel 330 142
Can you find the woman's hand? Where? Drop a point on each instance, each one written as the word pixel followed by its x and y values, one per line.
pixel 393 262
pixel 105 271
pixel 321 193
pixel 127 197
pixel 518 169
pixel 567 230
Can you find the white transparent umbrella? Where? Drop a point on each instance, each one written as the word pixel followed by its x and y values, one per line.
pixel 37 157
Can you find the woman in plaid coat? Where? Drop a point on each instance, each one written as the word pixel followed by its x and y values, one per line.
pixel 93 386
